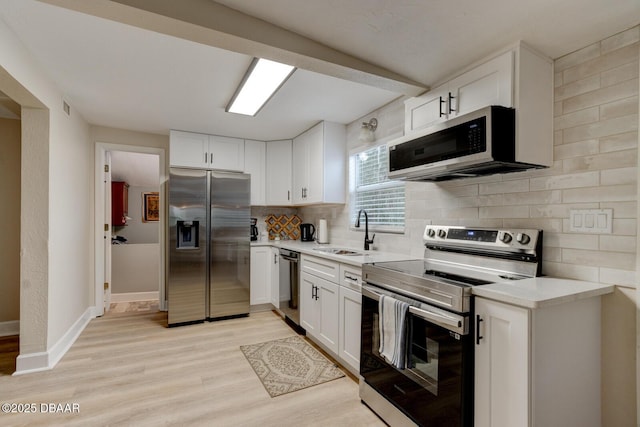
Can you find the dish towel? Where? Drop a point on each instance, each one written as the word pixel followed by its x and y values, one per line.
pixel 393 337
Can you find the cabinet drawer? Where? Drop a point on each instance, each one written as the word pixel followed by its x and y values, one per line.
pixel 320 267
pixel 351 277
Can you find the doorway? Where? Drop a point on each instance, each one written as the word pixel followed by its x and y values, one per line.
pixel 10 193
pixel 130 260
pixel 135 249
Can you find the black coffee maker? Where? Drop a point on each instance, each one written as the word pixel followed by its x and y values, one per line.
pixel 254 229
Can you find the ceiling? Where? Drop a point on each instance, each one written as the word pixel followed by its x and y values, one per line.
pixel 139 72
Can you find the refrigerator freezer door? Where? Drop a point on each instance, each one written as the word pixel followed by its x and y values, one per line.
pixel 186 284
pixel 230 245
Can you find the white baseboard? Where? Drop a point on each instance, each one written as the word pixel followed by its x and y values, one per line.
pixel 135 296
pixel 42 361
pixel 8 328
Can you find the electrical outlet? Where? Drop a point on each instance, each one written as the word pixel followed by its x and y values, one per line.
pixel 591 221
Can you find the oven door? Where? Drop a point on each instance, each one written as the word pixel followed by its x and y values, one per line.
pixel 436 388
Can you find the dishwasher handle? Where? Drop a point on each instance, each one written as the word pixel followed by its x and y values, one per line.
pixel 289 258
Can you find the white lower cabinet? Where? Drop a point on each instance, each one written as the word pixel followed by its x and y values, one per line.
pixel 502 365
pixel 260 288
pixel 537 367
pixel 350 316
pixel 330 307
pixel 350 323
pixel 274 275
pixel 319 302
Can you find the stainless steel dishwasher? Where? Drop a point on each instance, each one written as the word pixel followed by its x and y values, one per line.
pixel 290 286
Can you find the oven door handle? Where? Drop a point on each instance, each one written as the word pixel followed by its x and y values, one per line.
pixel 451 322
pixel 441 318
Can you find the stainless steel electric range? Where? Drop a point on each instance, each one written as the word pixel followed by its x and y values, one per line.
pixel 435 388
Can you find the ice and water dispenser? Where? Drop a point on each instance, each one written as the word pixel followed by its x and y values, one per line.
pixel 188 234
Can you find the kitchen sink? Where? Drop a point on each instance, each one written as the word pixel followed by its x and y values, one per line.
pixel 338 251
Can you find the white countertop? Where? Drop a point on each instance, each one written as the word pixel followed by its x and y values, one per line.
pixel 540 292
pixel 356 260
pixel 537 292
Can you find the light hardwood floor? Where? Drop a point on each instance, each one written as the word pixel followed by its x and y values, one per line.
pixel 128 369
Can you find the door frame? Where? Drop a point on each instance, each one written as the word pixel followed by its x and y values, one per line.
pixel 99 216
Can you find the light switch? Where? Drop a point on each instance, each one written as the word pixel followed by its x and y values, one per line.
pixel 588 220
pixel 591 221
pixel 577 220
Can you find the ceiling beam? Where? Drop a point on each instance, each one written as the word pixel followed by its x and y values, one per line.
pixel 213 24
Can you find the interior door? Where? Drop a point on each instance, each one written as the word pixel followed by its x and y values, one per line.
pixel 107 231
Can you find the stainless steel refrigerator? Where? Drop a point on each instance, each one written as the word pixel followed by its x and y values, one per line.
pixel 209 245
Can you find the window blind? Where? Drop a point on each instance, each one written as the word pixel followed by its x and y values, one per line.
pixel 371 190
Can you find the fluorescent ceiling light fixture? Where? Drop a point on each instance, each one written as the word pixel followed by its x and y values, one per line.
pixel 262 80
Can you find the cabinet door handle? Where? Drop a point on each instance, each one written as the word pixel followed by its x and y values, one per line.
pixel 478 336
pixel 211 158
pixel 302 193
pixel 288 195
pixel 206 160
pixel 275 258
pixel 442 101
pixel 451 98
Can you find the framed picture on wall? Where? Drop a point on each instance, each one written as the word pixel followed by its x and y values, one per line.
pixel 150 206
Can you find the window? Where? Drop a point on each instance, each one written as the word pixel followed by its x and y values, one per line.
pixel 371 190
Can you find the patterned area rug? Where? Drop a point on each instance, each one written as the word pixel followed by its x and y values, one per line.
pixel 289 364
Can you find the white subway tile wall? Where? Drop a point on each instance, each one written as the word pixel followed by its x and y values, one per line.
pixel 595 148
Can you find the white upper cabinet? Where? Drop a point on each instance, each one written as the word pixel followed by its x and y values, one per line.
pixel 319 165
pixel 488 84
pixel 311 169
pixel 226 153
pixel 518 78
pixel 278 170
pixel 188 149
pixel 427 109
pixel 197 150
pixel 255 162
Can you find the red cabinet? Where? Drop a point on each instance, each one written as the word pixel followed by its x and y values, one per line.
pixel 119 203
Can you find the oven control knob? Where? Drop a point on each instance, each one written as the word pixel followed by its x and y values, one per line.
pixel 523 238
pixel 431 233
pixel 505 238
pixel 442 234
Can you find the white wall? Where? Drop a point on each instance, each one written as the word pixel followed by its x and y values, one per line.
pixel 56 264
pixel 135 268
pixel 70 186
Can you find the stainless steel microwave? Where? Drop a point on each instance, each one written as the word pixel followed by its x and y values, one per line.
pixel 479 143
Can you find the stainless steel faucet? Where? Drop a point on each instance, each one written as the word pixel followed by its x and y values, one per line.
pixel 367 241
